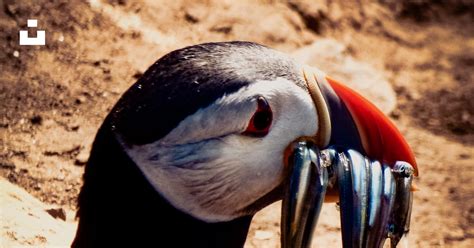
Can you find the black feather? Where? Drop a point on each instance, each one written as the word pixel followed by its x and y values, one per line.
pixel 118 207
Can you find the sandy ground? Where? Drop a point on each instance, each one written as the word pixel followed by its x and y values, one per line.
pixel 54 97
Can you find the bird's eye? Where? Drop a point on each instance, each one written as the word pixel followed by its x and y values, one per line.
pixel 259 124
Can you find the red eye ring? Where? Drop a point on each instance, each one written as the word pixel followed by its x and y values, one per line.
pixel 261 121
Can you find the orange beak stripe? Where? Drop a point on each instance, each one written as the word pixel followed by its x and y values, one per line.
pixel 380 138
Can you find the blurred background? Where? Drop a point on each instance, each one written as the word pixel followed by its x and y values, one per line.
pixel 414 59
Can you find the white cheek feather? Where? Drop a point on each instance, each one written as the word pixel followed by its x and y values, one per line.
pixel 205 168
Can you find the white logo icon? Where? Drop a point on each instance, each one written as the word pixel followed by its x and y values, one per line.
pixel 40 38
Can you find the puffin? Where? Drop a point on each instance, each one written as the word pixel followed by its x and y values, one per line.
pixel 198 144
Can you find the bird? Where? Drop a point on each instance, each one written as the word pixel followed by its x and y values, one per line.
pixel 194 148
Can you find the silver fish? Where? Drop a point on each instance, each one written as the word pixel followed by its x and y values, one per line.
pixel 303 197
pixel 374 199
pixel 400 218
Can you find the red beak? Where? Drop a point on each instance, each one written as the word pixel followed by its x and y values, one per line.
pixel 380 139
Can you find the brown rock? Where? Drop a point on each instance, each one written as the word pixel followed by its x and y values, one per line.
pixel 57 213
pixel 26 224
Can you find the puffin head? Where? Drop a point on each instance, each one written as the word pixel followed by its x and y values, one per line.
pixel 199 144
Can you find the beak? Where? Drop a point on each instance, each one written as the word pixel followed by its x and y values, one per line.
pixel 348 120
pixel 360 166
pixel 381 140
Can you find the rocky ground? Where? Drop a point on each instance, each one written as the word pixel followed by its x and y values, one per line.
pixel 54 97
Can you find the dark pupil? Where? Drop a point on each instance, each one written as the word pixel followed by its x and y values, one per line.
pixel 263 116
pixel 262 120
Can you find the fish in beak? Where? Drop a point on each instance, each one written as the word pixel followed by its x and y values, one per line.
pixel 359 159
